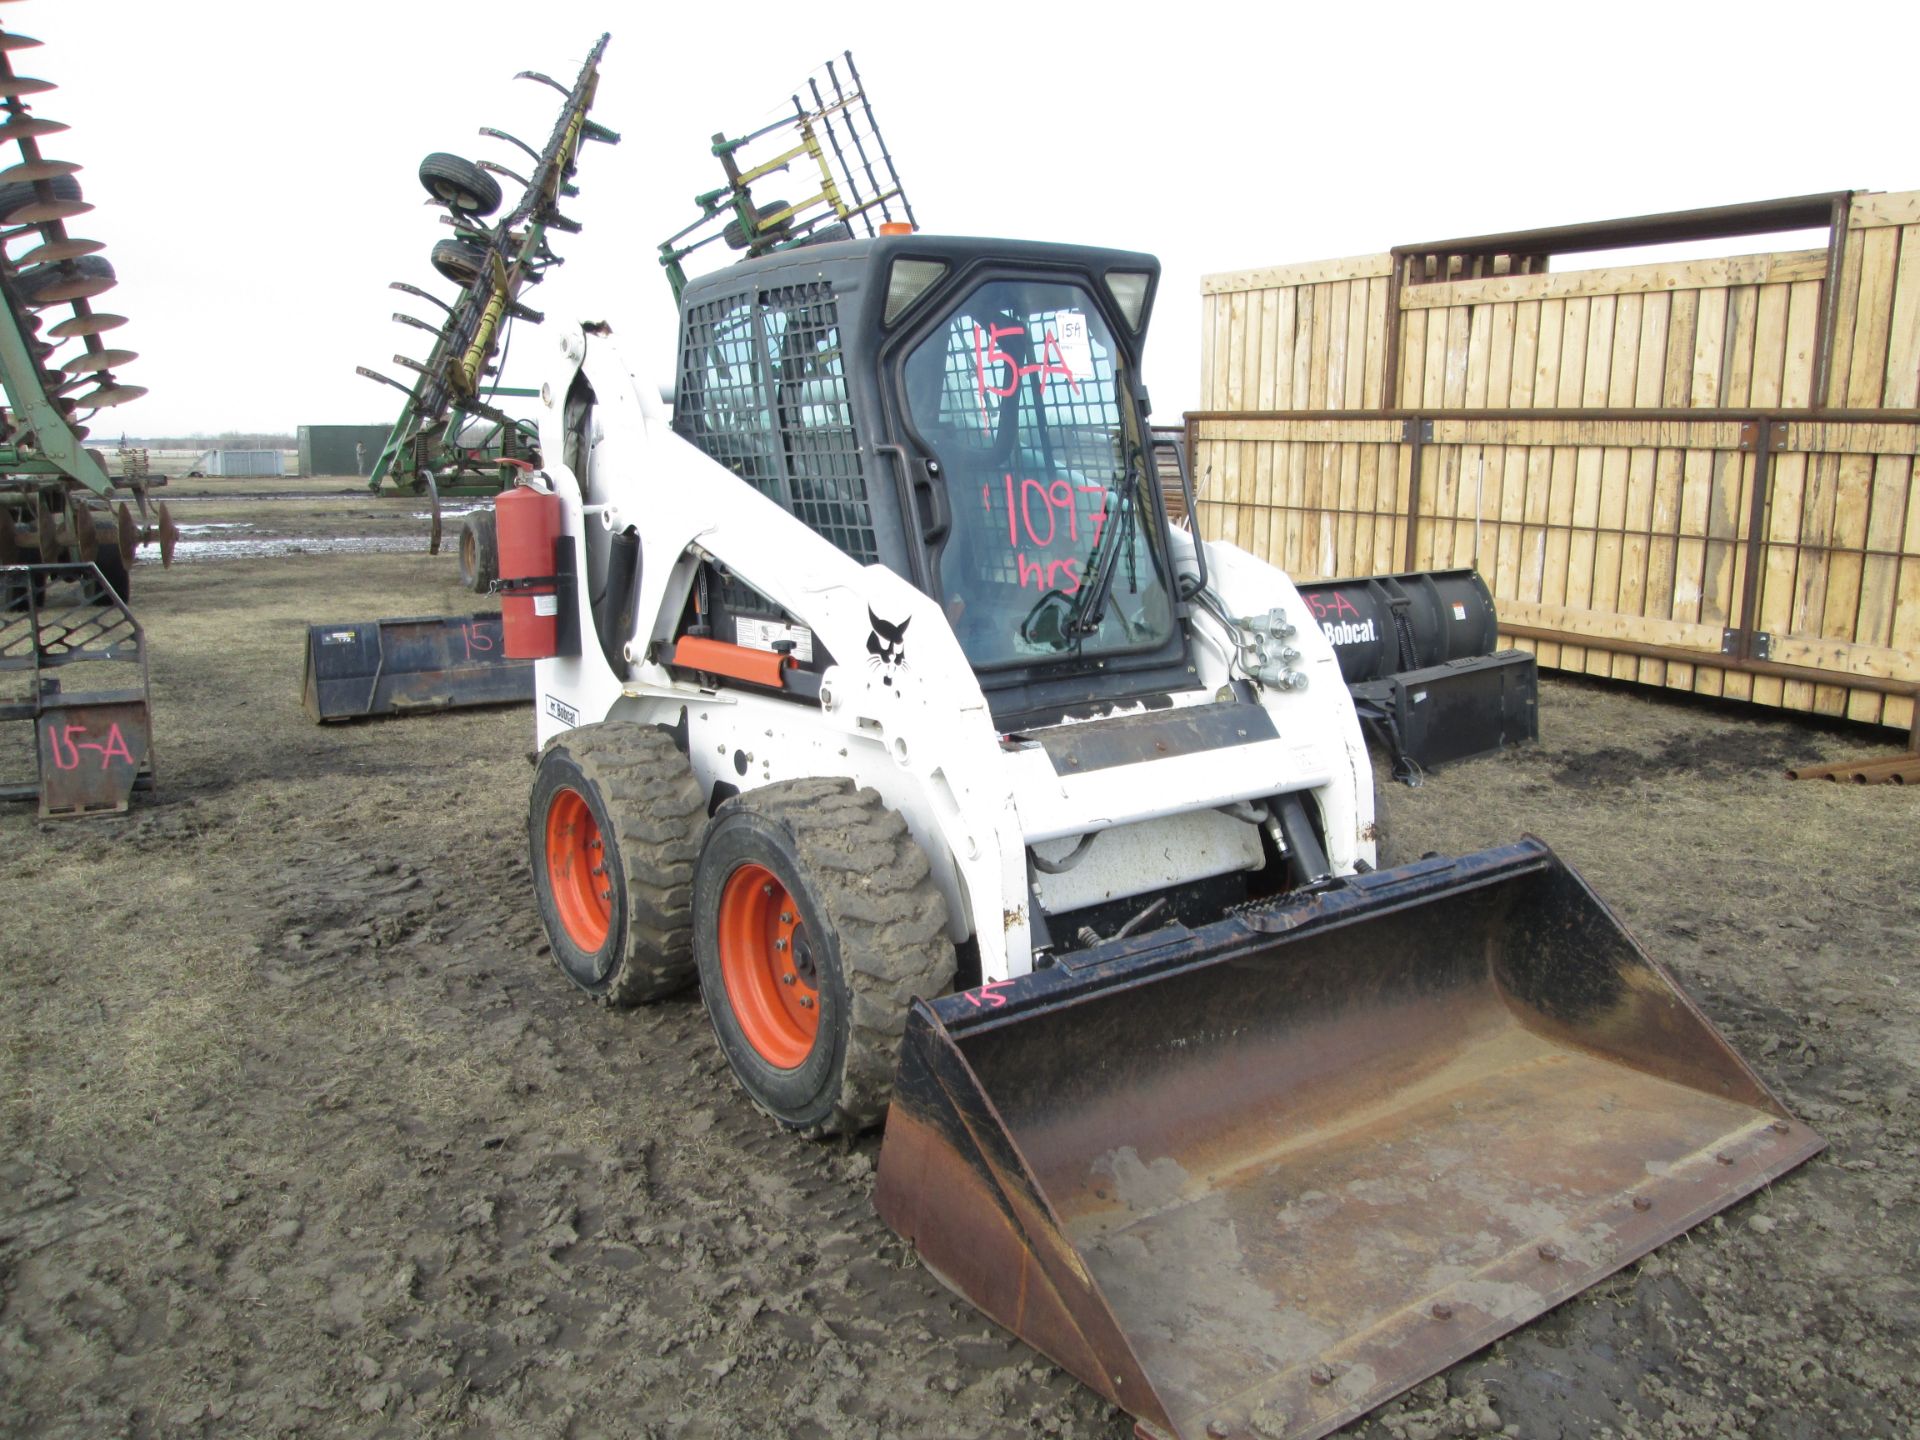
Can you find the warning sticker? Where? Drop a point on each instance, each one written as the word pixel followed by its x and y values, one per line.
pixel 1076 347
pixel 1459 611
pixel 762 634
pixel 546 604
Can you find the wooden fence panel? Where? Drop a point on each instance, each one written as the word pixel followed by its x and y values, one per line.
pixel 1609 531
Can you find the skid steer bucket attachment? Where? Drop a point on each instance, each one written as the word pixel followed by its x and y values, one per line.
pixel 1255 1179
pixel 390 667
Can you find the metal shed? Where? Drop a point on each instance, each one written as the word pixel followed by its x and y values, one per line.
pixel 329 449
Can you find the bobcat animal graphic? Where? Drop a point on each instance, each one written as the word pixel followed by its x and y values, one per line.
pixel 886 647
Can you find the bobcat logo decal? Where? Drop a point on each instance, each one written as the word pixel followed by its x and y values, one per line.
pixel 886 647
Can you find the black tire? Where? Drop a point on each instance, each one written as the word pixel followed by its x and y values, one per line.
pixel 459 184
pixel 21 194
pixel 112 566
pixel 460 261
pixel 479 552
pixel 32 283
pixel 735 236
pixel 648 810
pixel 867 924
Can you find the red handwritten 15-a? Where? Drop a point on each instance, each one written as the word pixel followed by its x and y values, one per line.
pixel 66 748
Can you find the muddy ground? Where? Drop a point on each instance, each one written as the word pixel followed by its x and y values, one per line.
pixel 301 1132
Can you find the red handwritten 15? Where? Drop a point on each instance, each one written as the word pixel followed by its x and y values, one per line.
pixel 479 638
pixel 991 990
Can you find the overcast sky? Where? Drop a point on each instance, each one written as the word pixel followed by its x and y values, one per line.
pixel 253 164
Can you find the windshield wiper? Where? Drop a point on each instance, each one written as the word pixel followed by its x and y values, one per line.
pixel 1089 608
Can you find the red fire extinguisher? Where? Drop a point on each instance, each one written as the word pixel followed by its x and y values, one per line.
pixel 526 524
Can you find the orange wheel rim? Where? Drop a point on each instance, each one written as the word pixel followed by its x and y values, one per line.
pixel 577 870
pixel 767 965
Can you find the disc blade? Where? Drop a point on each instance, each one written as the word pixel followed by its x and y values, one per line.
pixel 96 323
pixel 169 535
pixel 23 85
pixel 88 361
pixel 19 42
pixel 68 249
pixel 110 395
pixel 80 287
pixel 29 129
pixel 41 211
pixel 28 170
pixel 129 536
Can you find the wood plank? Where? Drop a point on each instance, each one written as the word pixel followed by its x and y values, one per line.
pixel 1683 315
pixel 1546 369
pixel 1250 384
pixel 1883 662
pixel 1269 530
pixel 1413 357
pixel 1377 322
pixel 1845 315
pixel 1769 346
pixel 1362 428
pixel 1526 350
pixel 1851 437
pixel 1209 397
pixel 1479 353
pixel 1366 502
pixel 1537 504
pixel 1623 352
pixel 1285 305
pixel 1785 267
pixel 1317 347
pixel 1606 541
pixel 1598 364
pixel 1433 385
pixel 1304 306
pixel 1812 574
pixel 1743 315
pixel 1709 350
pixel 1265 322
pixel 1840 605
pixel 1873 316
pixel 1356 387
pixel 1281 277
pixel 1628 560
pixel 1901 207
pixel 1779 561
pixel 1236 398
pixel 1609 625
pixel 1803 324
pixel 1679 434
pixel 1459 336
pixel 1334 366
pixel 1500 356
pixel 1341 559
pixel 1573 353
pixel 1903 349
pixel 1650 351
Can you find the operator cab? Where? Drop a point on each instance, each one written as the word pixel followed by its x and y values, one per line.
pixel 968 413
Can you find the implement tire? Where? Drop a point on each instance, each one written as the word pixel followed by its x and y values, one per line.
pixel 479 552
pixel 816 924
pixel 620 797
pixel 459 184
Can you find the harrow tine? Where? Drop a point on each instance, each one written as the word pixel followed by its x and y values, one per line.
pixel 433 495
pixel 376 375
pixel 503 170
pixel 414 290
pixel 493 134
pixel 405 319
pixel 544 80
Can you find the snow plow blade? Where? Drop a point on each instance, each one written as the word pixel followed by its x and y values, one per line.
pixel 1254 1179
pixel 397 667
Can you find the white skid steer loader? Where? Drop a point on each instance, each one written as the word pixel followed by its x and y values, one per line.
pixel 876 692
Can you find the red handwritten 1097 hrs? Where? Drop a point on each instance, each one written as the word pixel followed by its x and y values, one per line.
pixel 1040 514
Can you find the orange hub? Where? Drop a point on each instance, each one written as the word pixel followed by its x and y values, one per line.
pixel 766 960
pixel 577 870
